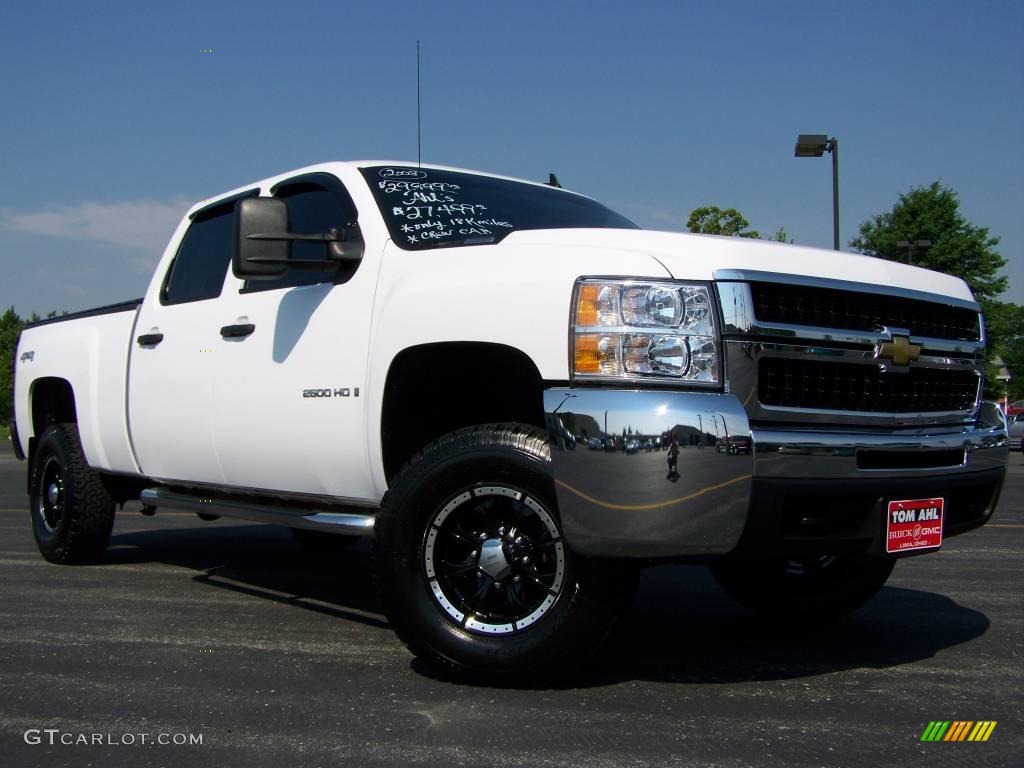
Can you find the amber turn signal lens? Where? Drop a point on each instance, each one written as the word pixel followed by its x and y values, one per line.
pixel 586 307
pixel 588 353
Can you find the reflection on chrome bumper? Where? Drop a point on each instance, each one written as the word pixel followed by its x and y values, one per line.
pixel 623 497
pixel 619 495
pixel 920 453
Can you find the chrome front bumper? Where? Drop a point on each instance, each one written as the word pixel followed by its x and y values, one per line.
pixel 615 503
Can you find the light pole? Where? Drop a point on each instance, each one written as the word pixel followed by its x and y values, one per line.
pixel 911 247
pixel 559 425
pixel 563 403
pixel 815 145
pixel 1005 377
pixel 725 427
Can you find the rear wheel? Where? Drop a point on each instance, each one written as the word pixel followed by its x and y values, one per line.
pixel 72 513
pixel 808 588
pixel 473 570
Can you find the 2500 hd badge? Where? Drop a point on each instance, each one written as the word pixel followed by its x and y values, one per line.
pixel 340 392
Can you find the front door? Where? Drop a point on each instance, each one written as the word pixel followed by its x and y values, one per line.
pixel 289 390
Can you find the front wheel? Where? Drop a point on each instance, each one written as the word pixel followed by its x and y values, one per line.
pixel 810 588
pixel 72 513
pixel 474 573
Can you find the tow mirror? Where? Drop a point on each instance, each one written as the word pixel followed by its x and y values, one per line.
pixel 261 240
pixel 259 258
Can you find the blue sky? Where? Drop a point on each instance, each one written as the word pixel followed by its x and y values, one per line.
pixel 115 120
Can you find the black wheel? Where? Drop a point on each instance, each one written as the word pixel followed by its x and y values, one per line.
pixel 72 513
pixel 323 542
pixel 809 588
pixel 474 574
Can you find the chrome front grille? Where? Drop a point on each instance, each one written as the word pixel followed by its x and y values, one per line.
pixel 791 383
pixel 815 351
pixel 850 310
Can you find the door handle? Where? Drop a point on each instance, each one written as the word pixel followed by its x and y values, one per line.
pixel 236 331
pixel 150 339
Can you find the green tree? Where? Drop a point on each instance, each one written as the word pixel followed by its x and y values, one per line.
pixel 958 247
pixel 10 327
pixel 1004 326
pixel 712 220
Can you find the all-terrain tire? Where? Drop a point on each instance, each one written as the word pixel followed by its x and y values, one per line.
pixel 475 510
pixel 72 513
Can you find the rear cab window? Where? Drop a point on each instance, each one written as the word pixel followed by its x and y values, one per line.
pixel 201 263
pixel 429 208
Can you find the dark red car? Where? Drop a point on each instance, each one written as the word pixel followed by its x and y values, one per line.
pixel 737 444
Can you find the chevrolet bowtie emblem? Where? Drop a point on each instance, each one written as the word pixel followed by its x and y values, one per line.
pixel 899 350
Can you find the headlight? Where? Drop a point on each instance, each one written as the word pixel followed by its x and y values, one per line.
pixel 651 305
pixel 639 330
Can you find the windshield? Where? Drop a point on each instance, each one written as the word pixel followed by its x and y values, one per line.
pixel 428 208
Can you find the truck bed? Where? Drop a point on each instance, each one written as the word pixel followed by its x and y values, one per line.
pixel 90 351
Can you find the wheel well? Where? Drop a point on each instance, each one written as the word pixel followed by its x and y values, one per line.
pixel 53 402
pixel 434 389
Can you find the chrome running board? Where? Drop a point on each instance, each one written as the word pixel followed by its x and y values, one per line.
pixel 332 522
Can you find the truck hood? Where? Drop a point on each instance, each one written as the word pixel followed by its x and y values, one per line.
pixel 710 257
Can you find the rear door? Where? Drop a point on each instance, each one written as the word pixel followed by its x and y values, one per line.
pixel 172 366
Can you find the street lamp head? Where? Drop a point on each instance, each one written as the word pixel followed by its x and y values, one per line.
pixel 815 145
pixel 811 145
pixel 923 244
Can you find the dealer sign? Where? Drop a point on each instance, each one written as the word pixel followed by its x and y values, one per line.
pixel 913 525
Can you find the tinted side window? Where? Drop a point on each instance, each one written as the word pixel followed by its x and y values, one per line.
pixel 313 208
pixel 202 259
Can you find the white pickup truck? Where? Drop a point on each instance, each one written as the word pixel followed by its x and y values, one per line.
pixel 511 388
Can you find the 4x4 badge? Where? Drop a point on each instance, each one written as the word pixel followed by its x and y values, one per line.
pixel 899 350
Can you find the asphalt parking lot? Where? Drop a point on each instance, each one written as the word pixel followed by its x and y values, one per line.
pixel 231 632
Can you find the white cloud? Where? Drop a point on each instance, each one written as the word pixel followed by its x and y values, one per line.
pixel 133 223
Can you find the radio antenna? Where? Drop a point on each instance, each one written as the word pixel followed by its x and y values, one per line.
pixel 419 133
